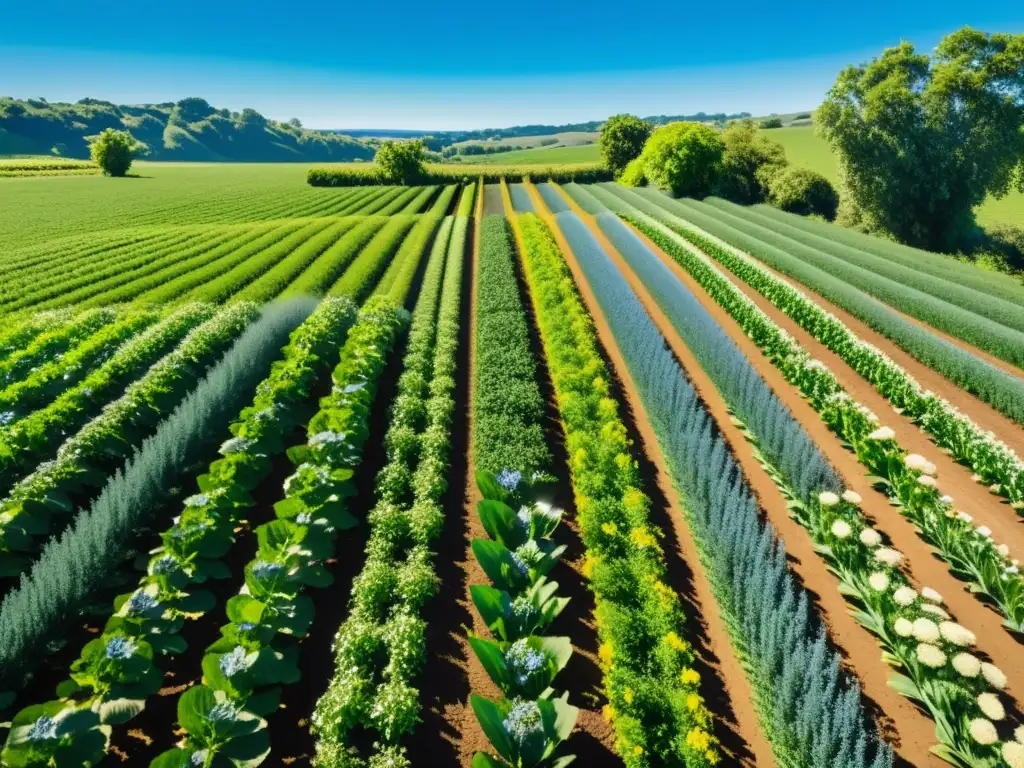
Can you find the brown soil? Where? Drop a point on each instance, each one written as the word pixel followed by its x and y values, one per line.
pixel 736 722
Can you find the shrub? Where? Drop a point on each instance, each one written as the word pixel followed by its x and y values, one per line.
pixel 749 162
pixel 684 157
pixel 803 191
pixel 400 162
pixel 113 151
pixel 771 122
pixel 633 175
pixel 622 140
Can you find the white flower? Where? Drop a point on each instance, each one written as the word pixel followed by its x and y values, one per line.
pixel 828 499
pixel 852 497
pixel 984 530
pixel 967 665
pixel 43 729
pixel 841 529
pixel 882 433
pixel 926 630
pixel 935 611
pixel 926 480
pixel 522 721
pixel 904 596
pixel 915 461
pixel 976 477
pixel 1003 550
pixel 879 582
pixel 947 499
pixel 995 676
pixel 233 662
pixel 1013 754
pixel 903 627
pixel 965 517
pixel 956 634
pixel 991 706
pixel 931 595
pixel 888 556
pixel 931 656
pixel 983 732
pixel 869 537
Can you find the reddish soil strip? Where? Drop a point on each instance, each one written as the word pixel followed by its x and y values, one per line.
pixel 926 568
pixel 727 667
pixel 906 727
pixel 954 478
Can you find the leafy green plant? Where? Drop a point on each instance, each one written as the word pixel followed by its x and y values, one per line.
pixel 622 140
pixel 365 270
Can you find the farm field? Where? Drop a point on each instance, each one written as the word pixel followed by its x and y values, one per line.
pixel 495 475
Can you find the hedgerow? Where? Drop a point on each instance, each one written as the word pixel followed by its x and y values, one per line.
pixel 72 567
pixel 653 691
pixel 357 177
pixel 811 712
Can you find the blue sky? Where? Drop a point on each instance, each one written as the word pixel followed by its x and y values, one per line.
pixel 459 64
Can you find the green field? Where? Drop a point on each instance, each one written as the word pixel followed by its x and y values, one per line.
pixel 806 149
pixel 587 153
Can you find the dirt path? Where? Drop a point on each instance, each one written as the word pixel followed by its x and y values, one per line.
pixel 745 742
pixel 907 728
pixel 926 568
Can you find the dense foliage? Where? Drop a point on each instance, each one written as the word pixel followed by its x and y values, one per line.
pixel 113 151
pixel 923 140
pixel 749 161
pixel 683 157
pixel 400 162
pixel 444 174
pixel 803 191
pixel 622 140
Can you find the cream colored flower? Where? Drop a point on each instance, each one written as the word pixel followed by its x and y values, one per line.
pixel 904 596
pixel 965 517
pixel 956 634
pixel 888 556
pixel 869 537
pixel 934 610
pixel 983 732
pixel 926 630
pixel 947 499
pixel 931 595
pixel 1018 733
pixel 841 529
pixel 915 461
pixel 931 656
pixel 1003 550
pixel 984 530
pixel 995 676
pixel 1013 754
pixel 990 704
pixel 903 627
pixel 967 665
pixel 879 582
pixel 852 497
pixel 882 433
pixel 926 480
pixel 828 499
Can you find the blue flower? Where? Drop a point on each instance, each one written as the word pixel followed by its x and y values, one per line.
pixel 522 567
pixel 120 648
pixel 246 626
pixel 6 417
pixel 327 436
pixel 524 609
pixel 233 662
pixel 354 388
pixel 165 565
pixel 197 500
pixel 223 712
pixel 234 445
pixel 262 570
pixel 523 660
pixel 140 602
pixel 523 720
pixel 43 729
pixel 509 479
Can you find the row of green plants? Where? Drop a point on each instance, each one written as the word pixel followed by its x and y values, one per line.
pixel 402 202
pixel 380 648
pixel 74 567
pixel 78 246
pixel 989 324
pixel 466 199
pixel 35 438
pixel 333 262
pixel 397 280
pixel 223 719
pixel 46 380
pixel 993 462
pixel 869 573
pixel 22 331
pixel 653 690
pixel 117 672
pixel 907 479
pixel 230 284
pixel 811 712
pixel 492 174
pixel 43 501
pixel 1000 389
pixel 364 273
pixel 54 338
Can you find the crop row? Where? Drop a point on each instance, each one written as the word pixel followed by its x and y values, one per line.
pixel 867 570
pixel 380 648
pixel 993 461
pixel 971 553
pixel 146 623
pixel 365 271
pixel 323 272
pixel 73 567
pixel 18 334
pixel 810 712
pixel 1001 390
pixel 397 280
pixel 42 500
pixel 652 688
pixel 258 649
pixel 507 406
pixel 53 341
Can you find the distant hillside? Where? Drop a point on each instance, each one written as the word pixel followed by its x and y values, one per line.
pixel 190 129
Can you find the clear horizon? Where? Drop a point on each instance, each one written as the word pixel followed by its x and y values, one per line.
pixel 468 68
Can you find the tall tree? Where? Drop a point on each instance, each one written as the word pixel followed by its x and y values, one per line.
pixel 622 140
pixel 923 140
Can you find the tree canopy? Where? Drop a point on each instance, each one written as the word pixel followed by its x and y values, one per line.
pixel 749 161
pixel 683 157
pixel 400 162
pixel 622 140
pixel 113 151
pixel 923 140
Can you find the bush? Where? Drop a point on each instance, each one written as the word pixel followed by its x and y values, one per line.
pixel 113 151
pixel 1005 244
pixel 772 122
pixel 622 140
pixel 749 162
pixel 634 176
pixel 803 191
pixel 400 162
pixel 684 157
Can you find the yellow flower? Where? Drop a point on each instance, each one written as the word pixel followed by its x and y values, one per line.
pixel 664 592
pixel 604 653
pixel 676 642
pixel 628 695
pixel 623 461
pixel 712 757
pixel 690 676
pixel 642 537
pixel 588 566
pixel 698 739
pixel 692 702
pixel 634 500
pixel 638 750
pixel 608 713
pixel 610 528
pixel 600 386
